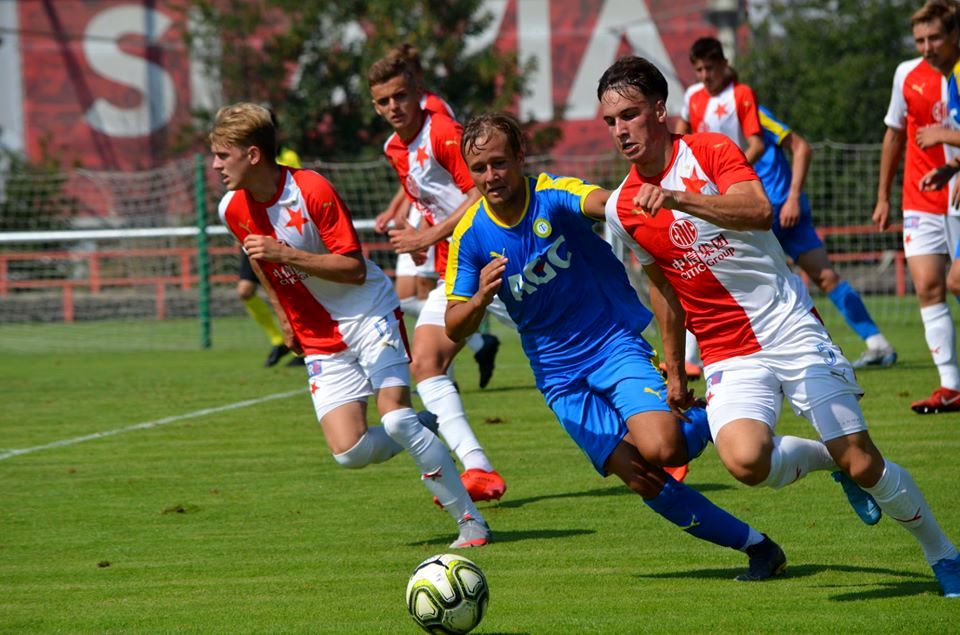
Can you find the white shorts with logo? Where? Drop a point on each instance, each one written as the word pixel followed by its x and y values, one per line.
pixel 810 370
pixel 925 234
pixel 378 358
pixel 436 306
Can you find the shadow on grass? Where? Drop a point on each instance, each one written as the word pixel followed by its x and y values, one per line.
pixel 857 589
pixel 514 536
pixel 616 490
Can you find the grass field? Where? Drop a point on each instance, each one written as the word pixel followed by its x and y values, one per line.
pixel 220 517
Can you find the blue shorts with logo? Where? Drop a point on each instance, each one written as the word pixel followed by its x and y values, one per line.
pixel 800 238
pixel 594 409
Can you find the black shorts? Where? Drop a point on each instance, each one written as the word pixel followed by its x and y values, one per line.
pixel 246 271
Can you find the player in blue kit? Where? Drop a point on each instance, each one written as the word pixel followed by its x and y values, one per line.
pixel 783 181
pixel 529 241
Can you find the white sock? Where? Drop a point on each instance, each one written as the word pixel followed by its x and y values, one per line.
pixel 942 340
pixel 901 499
pixel 475 342
pixel 437 470
pixel 375 446
pixel 440 397
pixel 693 350
pixel 754 537
pixel 411 305
pixel 793 458
pixel 877 342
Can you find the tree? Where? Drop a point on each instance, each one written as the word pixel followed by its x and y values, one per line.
pixel 826 66
pixel 309 59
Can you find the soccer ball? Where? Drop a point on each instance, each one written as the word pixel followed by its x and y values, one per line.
pixel 447 594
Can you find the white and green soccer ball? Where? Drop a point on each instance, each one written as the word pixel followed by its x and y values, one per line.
pixel 447 593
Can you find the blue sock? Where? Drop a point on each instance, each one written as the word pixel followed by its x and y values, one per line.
pixel 853 310
pixel 696 431
pixel 691 511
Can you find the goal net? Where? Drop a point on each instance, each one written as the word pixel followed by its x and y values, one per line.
pixel 111 261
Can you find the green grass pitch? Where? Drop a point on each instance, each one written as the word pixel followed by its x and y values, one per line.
pixel 239 521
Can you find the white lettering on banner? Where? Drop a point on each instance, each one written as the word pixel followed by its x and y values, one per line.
pixel 101 47
pixel 529 281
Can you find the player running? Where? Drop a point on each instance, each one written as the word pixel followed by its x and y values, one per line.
pixel 425 152
pixel 783 180
pixel 529 241
pixel 337 307
pixel 695 215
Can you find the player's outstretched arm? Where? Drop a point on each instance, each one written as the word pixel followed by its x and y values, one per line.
pixel 743 207
pixel 930 136
pixel 670 315
pixel 594 205
pixel 894 142
pixel 463 318
pixel 800 153
pixel 408 240
pixel 349 268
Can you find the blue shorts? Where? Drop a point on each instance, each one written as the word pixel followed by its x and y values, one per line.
pixel 800 238
pixel 595 409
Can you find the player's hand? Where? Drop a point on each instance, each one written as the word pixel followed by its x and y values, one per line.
pixel 491 279
pixel 937 178
pixel 881 215
pixel 406 240
pixel 790 213
pixel 651 199
pixel 930 136
pixel 263 248
pixel 679 397
pixel 383 221
pixel 419 256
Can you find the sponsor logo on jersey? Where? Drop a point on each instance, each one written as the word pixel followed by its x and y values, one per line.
pixel 539 271
pixel 542 228
pixel 683 233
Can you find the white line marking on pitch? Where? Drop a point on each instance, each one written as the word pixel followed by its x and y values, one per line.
pixel 146 425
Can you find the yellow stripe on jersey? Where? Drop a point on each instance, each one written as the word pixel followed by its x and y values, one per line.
pixel 453 255
pixel 569 184
pixel 778 130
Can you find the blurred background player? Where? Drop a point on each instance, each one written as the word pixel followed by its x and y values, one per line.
pixel 425 152
pixel 415 281
pixel 718 102
pixel 928 233
pixel 783 181
pixel 530 241
pixel 694 201
pixel 247 285
pixel 338 307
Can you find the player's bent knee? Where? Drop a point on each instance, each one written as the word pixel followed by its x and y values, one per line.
pixel 355 458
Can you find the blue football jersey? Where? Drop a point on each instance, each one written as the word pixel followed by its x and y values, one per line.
pixel 567 292
pixel 773 166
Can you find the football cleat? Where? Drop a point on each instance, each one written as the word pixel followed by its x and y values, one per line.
pixel 942 400
pixel 276 354
pixel 766 561
pixel 481 485
pixel 678 473
pixel 861 500
pixel 486 357
pixel 882 357
pixel 473 533
pixel 948 575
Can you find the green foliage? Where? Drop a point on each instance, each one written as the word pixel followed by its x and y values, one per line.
pixel 31 195
pixel 826 66
pixel 328 47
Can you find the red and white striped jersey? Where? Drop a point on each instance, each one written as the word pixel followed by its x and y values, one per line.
pixel 733 112
pixel 432 171
pixel 435 103
pixel 735 287
pixel 306 213
pixel 918 99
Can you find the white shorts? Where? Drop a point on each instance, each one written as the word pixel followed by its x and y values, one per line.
pixel 435 307
pixel 808 371
pixel 926 234
pixel 380 359
pixel 406 266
